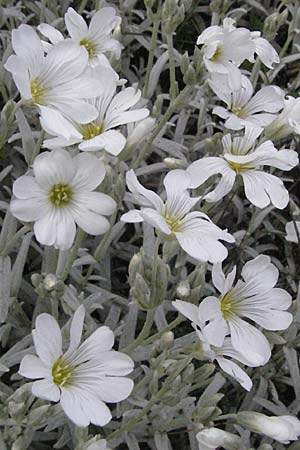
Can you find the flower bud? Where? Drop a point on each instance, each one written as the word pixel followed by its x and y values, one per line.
pixel 174 163
pixel 282 428
pixel 183 289
pixel 190 77
pixel 212 438
pixel 36 279
pixel 50 282
pixel 141 131
pixel 167 340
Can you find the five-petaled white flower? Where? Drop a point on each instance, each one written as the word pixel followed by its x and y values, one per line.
pixel 287 122
pixel 242 158
pixel 101 133
pixel 82 378
pixel 242 107
pixel 96 38
pixel 282 428
pixel 292 230
pixel 254 298
pixel 213 438
pixel 221 354
pixel 226 47
pixel 57 80
pixel 195 232
pixel 60 195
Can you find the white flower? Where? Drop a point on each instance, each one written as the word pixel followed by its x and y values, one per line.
pixel 60 195
pixel 57 80
pixel 287 122
pixel 82 378
pixel 96 38
pixel 98 445
pixel 195 232
pixel 220 354
pixel 254 298
pixel 113 110
pixel 291 233
pixel 226 47
pixel 213 438
pixel 283 428
pixel 242 107
pixel 242 158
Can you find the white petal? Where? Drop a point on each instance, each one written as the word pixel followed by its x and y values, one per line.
pixel 47 339
pixel 261 189
pixel 78 110
pixel 261 273
pixel 114 389
pixel 75 24
pixel 51 33
pixel 123 118
pixel 29 209
pixel 76 328
pixel 204 168
pixel 132 216
pixel 249 340
pixel 177 181
pixel 100 341
pixel 53 167
pixel 236 372
pixel 188 310
pixel 89 172
pixel 46 390
pixel 90 222
pixel 136 188
pixel 115 364
pixel 33 367
pixel 209 309
pixel 25 187
pixel 112 141
pixel 155 219
pixel 202 248
pixel 56 124
pixel 216 331
pixel 20 74
pixel 96 202
pixel 268 99
pixel 28 46
pixel 71 404
pixel 56 228
pixel 271 319
pixel 266 52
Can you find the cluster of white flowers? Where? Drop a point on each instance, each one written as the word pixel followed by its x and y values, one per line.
pixel 84 106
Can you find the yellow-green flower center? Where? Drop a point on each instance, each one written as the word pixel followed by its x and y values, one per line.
pixel 90 46
pixel 239 111
pixel 228 305
pixel 173 223
pixel 239 168
pixel 91 130
pixel 61 373
pixel 37 92
pixel 217 55
pixel 60 194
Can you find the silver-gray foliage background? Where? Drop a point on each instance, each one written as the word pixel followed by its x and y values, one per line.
pixel 170 403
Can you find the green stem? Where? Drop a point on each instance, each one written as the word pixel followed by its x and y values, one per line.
pixel 166 386
pixel 37 147
pixel 82 6
pixel 102 247
pixel 172 107
pixel 79 238
pixel 255 72
pixel 291 30
pixel 153 45
pixel 173 84
pixel 154 273
pixel 143 334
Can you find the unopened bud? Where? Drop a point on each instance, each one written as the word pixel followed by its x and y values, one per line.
pixel 174 163
pixel 50 282
pixel 190 77
pixel 183 289
pixel 36 279
pixel 167 340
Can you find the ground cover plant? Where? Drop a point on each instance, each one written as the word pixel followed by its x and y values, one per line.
pixel 150 223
